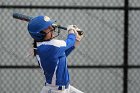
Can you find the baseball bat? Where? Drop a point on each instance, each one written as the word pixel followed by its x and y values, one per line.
pixel 28 18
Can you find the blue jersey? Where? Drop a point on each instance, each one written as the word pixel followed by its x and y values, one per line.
pixel 52 55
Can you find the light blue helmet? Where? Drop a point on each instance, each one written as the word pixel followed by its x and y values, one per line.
pixel 37 25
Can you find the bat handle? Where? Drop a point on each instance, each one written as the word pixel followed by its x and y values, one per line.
pixel 61 27
pixel 64 28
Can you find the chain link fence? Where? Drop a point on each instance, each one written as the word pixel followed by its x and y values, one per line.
pixel 134 50
pixel 97 66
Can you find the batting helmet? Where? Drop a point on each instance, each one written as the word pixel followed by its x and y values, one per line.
pixel 38 24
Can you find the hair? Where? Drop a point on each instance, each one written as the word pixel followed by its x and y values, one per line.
pixel 34 47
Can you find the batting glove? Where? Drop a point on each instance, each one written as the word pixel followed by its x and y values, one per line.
pixel 71 29
pixel 78 37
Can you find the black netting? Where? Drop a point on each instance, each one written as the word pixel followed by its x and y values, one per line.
pixel 102 43
pixel 65 2
pixel 133 81
pixel 97 66
pixel 31 80
pixel 134 3
pixel 134 40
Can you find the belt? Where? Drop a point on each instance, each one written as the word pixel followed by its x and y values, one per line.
pixel 58 87
pixel 63 87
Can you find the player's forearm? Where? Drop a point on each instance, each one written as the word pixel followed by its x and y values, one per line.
pixel 68 51
pixel 70 41
pixel 77 43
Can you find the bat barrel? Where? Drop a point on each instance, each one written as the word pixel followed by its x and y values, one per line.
pixel 22 17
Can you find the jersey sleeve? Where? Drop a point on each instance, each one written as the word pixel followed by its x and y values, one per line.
pixel 68 51
pixel 70 41
pixel 67 45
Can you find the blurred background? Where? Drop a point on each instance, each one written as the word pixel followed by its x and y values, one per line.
pixel 108 60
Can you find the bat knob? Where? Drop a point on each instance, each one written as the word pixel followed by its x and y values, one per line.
pixel 80 32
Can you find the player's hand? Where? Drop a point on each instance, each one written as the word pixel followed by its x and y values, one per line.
pixel 78 37
pixel 71 29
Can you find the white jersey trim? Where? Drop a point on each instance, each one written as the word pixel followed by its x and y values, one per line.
pixel 54 75
pixel 38 58
pixel 54 42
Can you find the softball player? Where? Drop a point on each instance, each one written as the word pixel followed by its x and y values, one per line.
pixel 51 54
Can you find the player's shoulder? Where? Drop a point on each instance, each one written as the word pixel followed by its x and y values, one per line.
pixel 53 42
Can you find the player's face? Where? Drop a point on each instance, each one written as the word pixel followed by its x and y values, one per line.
pixel 49 32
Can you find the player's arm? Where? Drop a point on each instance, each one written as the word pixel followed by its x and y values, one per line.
pixel 70 42
pixel 68 51
pixel 71 38
pixel 78 37
pixel 77 40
